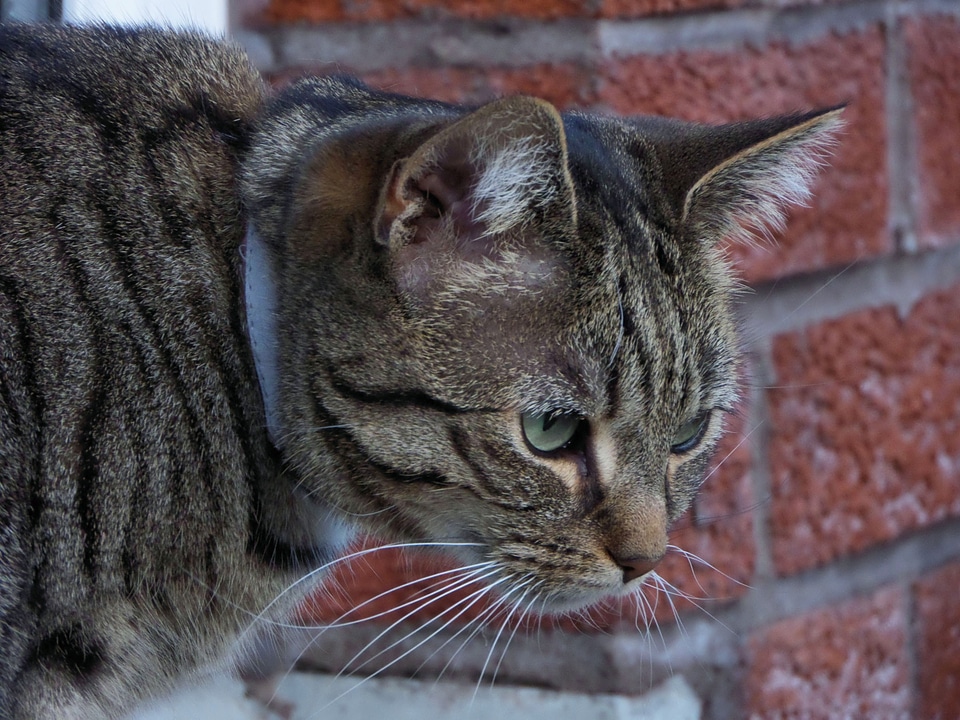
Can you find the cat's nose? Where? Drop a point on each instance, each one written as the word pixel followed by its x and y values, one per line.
pixel 637 567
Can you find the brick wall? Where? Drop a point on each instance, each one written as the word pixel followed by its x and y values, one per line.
pixel 834 522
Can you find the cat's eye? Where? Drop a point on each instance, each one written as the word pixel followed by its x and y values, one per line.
pixel 689 435
pixel 552 431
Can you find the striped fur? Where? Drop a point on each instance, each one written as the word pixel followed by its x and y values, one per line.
pixel 438 271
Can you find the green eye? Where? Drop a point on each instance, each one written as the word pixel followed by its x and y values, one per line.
pixel 689 435
pixel 548 432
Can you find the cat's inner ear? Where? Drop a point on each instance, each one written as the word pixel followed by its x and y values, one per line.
pixel 469 192
pixel 739 179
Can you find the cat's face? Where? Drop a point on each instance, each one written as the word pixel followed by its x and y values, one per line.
pixel 506 334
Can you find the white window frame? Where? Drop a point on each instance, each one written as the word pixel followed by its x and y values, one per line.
pixel 210 16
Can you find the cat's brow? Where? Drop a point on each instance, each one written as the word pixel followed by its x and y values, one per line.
pixel 398 397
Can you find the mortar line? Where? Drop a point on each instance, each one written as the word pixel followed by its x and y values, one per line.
pixel 762 484
pixel 348 43
pixel 795 302
pixel 904 559
pixel 901 144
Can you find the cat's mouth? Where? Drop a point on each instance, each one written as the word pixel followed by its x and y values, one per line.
pixel 551 584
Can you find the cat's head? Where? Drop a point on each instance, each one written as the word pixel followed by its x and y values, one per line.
pixel 511 328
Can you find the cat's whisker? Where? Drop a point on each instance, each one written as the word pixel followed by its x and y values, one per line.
pixel 476 624
pixel 639 610
pixel 692 558
pixel 496 639
pixel 465 580
pixel 315 573
pixel 468 601
pixel 651 606
pixel 668 596
pixel 469 572
pixel 473 599
pixel 670 590
pixel 516 627
pixel 791 386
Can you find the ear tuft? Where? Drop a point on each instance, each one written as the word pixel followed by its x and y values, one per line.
pixel 512 176
pixel 751 191
pixel 485 174
pixel 452 208
pixel 739 179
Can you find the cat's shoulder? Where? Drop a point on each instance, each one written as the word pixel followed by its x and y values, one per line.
pixel 135 67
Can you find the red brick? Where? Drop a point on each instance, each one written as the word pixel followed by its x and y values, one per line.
pixel 565 85
pixel 864 430
pixel 719 528
pixel 934 73
pixel 938 644
pixel 848 220
pixel 315 11
pixel 846 661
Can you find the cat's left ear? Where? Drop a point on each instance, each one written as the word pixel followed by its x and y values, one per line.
pixel 479 180
pixel 734 180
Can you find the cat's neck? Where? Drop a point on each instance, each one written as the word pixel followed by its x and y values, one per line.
pixel 260 292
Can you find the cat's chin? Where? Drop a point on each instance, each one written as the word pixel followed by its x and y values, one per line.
pixel 573 598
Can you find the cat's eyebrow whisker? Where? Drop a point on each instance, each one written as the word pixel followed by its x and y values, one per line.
pixel 836 276
pixel 736 447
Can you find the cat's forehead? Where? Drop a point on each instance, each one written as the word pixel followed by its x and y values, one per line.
pixel 615 172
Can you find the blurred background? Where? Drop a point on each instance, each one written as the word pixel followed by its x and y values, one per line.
pixel 830 530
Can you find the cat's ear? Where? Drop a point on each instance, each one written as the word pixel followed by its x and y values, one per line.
pixel 737 179
pixel 482 176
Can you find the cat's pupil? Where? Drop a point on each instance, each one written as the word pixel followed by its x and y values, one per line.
pixel 551 431
pixel 689 435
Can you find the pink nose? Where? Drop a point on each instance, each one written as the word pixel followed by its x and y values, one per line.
pixel 634 568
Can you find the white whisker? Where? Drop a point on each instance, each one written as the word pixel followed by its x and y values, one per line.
pixel 470 601
pixel 468 576
pixel 496 639
pixel 692 558
pixel 313 574
pixel 727 456
pixel 516 627
pixel 437 595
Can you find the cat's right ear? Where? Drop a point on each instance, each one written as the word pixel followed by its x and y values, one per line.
pixel 463 197
pixel 738 179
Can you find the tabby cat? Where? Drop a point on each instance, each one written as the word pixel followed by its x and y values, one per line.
pixel 231 325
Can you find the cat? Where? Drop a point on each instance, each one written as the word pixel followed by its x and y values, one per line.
pixel 235 324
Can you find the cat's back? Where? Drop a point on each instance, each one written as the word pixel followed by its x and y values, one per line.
pixel 129 410
pixel 75 99
pixel 121 75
